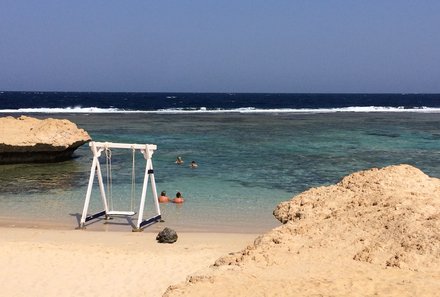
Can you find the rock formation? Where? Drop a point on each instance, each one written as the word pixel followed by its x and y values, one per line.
pixel 30 140
pixel 377 232
pixel 167 235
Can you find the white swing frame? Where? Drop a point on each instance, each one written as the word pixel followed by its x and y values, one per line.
pixel 147 151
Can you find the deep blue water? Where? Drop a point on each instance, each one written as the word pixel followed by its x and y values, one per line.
pixel 248 161
pixel 210 101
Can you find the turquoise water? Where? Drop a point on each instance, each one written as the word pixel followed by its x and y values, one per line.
pixel 248 163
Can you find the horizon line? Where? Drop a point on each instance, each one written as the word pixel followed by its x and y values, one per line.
pixel 211 92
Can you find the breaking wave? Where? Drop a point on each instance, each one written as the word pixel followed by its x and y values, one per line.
pixel 359 109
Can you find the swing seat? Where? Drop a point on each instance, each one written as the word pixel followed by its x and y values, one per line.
pixel 120 213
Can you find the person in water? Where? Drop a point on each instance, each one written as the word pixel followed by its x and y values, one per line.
pixel 179 198
pixel 193 164
pixel 179 161
pixel 163 198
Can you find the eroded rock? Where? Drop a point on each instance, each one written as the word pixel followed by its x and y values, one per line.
pixel 30 140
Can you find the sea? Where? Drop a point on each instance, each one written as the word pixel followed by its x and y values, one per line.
pixel 253 151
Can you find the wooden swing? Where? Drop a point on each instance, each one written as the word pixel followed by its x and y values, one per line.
pixel 106 192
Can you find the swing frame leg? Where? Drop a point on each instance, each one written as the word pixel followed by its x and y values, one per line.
pixel 149 174
pixel 95 170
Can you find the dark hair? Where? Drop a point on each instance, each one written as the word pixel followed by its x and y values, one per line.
pixel 178 195
pixel 163 193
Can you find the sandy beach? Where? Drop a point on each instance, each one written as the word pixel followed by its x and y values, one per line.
pixel 375 233
pixel 42 262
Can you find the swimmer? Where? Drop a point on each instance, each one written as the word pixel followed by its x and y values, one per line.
pixel 163 197
pixel 193 164
pixel 179 198
pixel 179 161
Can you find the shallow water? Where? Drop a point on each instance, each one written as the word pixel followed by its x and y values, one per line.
pixel 247 163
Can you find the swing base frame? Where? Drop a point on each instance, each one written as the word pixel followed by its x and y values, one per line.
pixel 108 216
pixel 146 223
pixel 147 150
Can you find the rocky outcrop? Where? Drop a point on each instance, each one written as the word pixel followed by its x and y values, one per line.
pixel 391 216
pixel 30 140
pixel 377 232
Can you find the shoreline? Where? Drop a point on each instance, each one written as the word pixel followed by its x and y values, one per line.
pixel 121 225
pixel 43 262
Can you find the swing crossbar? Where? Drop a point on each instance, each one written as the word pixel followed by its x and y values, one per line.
pixel 123 145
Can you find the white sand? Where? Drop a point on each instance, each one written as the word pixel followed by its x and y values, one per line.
pixel 39 262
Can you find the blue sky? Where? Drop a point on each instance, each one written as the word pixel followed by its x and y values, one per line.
pixel 221 46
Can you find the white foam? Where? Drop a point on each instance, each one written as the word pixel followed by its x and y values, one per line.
pixel 63 110
pixel 244 110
